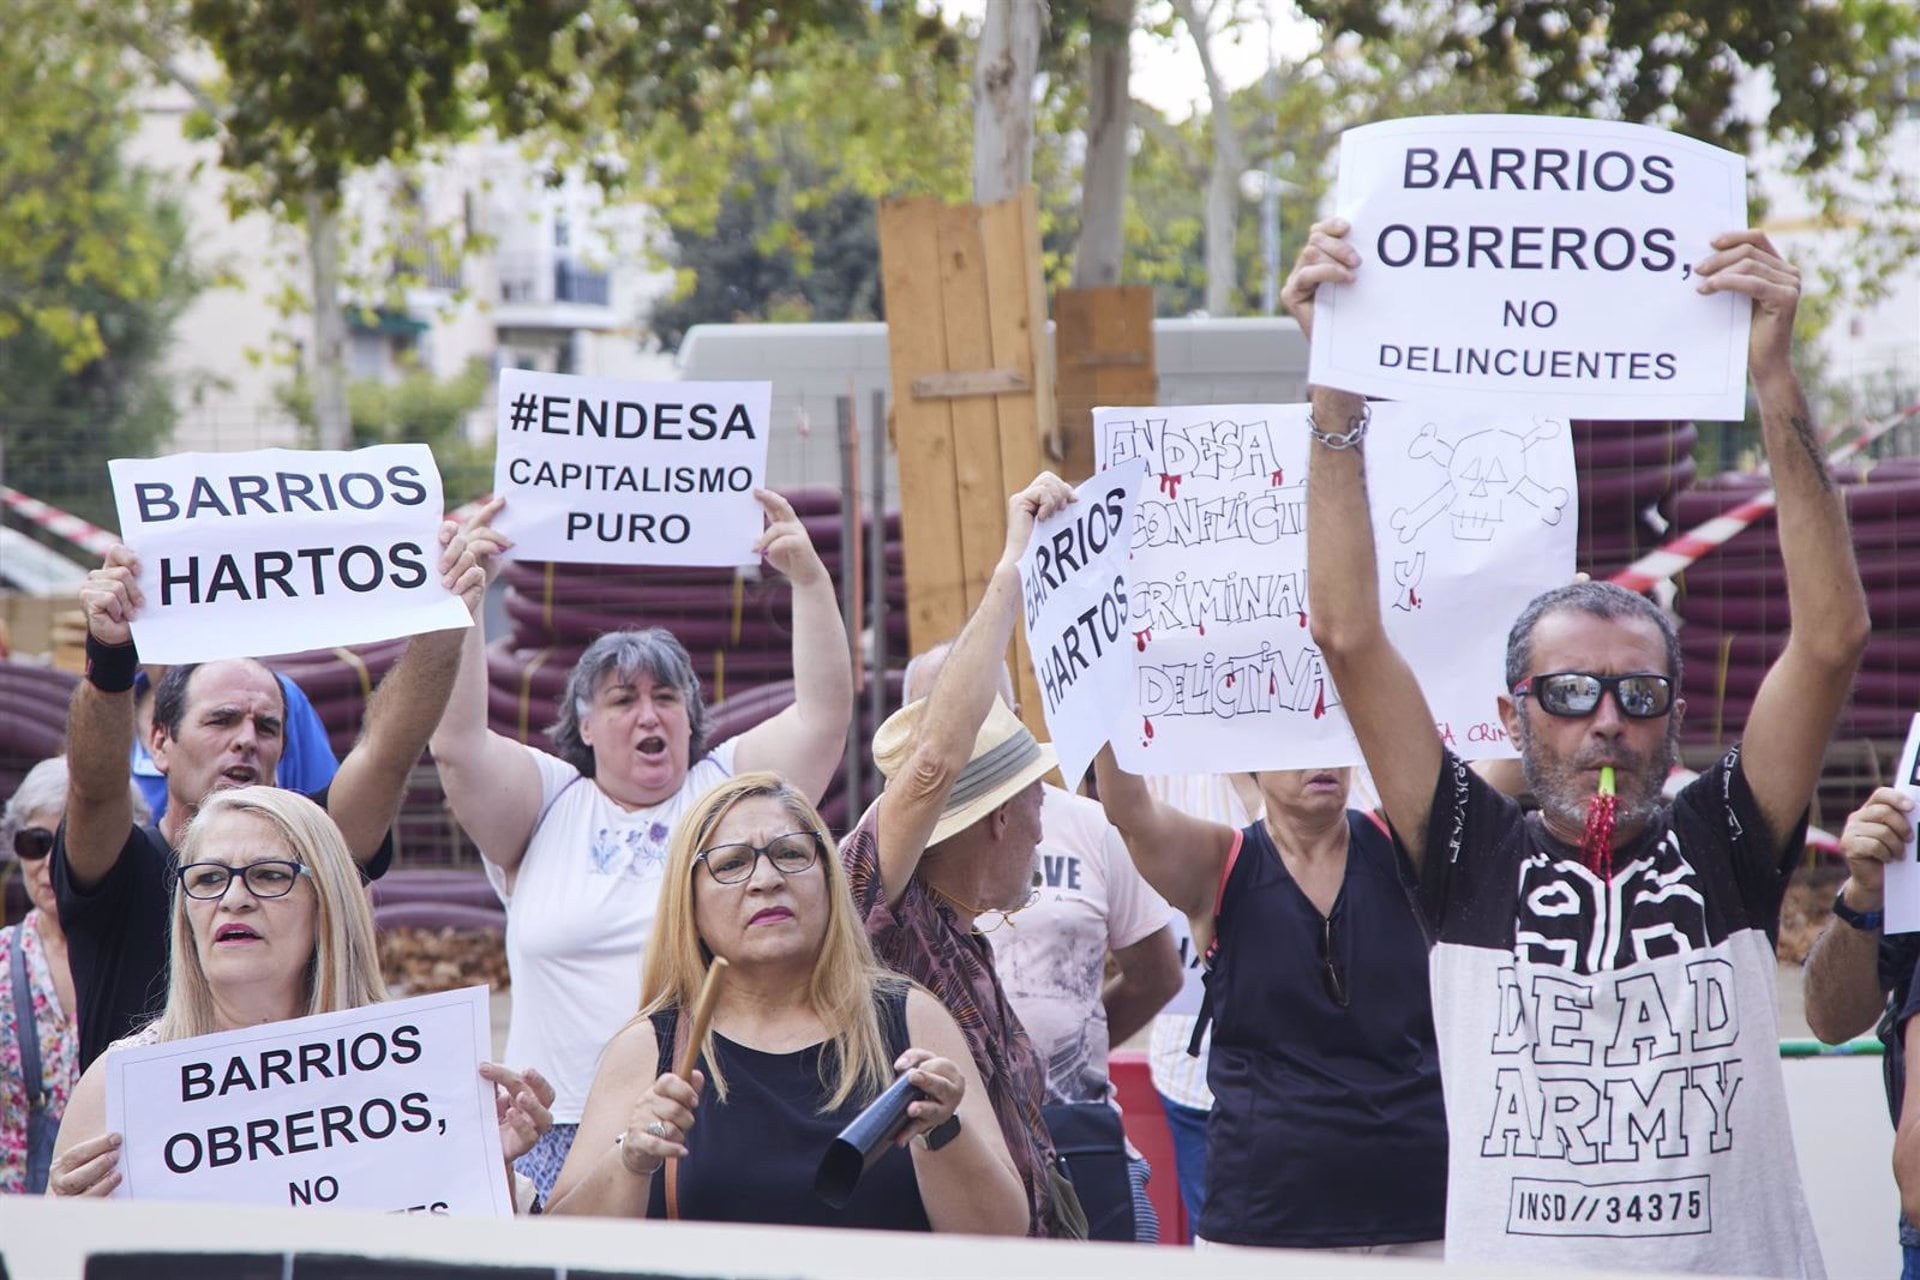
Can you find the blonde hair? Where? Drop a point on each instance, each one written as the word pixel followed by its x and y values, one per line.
pixel 845 978
pixel 344 972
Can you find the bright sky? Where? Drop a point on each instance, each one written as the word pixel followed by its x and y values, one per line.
pixel 1166 73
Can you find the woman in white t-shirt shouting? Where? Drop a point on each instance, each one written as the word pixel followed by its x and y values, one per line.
pixel 575 841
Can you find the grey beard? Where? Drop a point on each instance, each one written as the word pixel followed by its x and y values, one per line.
pixel 1561 797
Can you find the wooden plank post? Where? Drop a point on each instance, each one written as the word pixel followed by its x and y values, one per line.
pixel 1103 344
pixel 972 390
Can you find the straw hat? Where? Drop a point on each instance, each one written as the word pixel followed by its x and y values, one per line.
pixel 1006 760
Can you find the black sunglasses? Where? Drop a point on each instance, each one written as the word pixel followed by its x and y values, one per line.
pixel 1573 694
pixel 1330 974
pixel 30 844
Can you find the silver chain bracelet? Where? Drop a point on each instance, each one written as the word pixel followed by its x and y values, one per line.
pixel 1348 439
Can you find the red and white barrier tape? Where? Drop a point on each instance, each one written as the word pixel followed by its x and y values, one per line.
pixel 1657 566
pixel 88 537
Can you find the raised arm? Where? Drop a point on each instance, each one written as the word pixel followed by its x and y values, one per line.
pixel 364 797
pixel 1793 714
pixel 491 782
pixel 911 804
pixel 1180 855
pixel 805 742
pixel 100 723
pixel 1843 992
pixel 1378 690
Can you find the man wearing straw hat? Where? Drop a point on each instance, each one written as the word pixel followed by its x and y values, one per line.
pixel 951 839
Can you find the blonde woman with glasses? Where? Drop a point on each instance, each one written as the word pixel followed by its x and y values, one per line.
pixel 270 923
pixel 807 1030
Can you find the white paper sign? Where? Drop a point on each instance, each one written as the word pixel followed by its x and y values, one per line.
pixel 1537 261
pixel 597 471
pixel 280 550
pixel 1902 903
pixel 1474 514
pixel 1073 587
pixel 380 1108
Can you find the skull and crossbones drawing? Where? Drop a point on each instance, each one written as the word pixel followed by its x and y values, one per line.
pixel 1484 469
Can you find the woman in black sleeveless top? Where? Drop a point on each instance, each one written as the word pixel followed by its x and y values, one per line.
pixel 808 1030
pixel 1328 1130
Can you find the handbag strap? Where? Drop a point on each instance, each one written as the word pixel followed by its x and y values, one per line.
pixel 26 1033
pixel 673 1162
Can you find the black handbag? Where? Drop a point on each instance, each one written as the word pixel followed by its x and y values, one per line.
pixel 1089 1139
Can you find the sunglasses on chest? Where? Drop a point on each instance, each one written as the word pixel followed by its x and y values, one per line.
pixel 1578 693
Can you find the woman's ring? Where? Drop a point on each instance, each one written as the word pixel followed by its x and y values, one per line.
pixel 657 1128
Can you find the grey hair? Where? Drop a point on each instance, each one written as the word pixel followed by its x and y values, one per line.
pixel 653 652
pixel 45 787
pixel 1598 600
pixel 937 657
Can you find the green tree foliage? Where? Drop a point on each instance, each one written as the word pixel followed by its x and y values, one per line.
pixel 780 248
pixel 59 425
pixel 418 408
pixel 1681 66
pixel 77 237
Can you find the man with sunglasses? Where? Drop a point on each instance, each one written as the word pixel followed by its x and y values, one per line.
pixel 216 725
pixel 1603 971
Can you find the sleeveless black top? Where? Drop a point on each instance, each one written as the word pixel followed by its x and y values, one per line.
pixel 753 1157
pixel 1328 1127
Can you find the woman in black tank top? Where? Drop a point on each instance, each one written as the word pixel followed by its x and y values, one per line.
pixel 807 1030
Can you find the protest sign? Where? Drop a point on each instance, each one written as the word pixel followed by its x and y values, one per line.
pixel 1474 514
pixel 280 550
pixel 1542 262
pixel 1902 903
pixel 597 471
pixel 379 1108
pixel 1073 590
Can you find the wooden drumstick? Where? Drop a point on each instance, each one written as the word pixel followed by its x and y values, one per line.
pixel 702 1017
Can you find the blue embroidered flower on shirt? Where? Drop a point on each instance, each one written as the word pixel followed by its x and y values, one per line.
pixel 630 851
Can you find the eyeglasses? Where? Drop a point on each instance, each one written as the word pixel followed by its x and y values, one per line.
pixel 790 854
pixel 1573 694
pixel 209 880
pixel 30 844
pixel 1330 972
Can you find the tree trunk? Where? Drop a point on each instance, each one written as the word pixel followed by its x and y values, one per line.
pixel 1103 194
pixel 328 364
pixel 1223 182
pixel 1003 98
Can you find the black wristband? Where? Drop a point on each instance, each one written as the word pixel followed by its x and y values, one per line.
pixel 944 1132
pixel 111 667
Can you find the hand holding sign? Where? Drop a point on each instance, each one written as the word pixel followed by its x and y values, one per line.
pixel 111 596
pixel 1326 259
pixel 1047 494
pixel 1746 262
pixel 1877 833
pixel 90 1168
